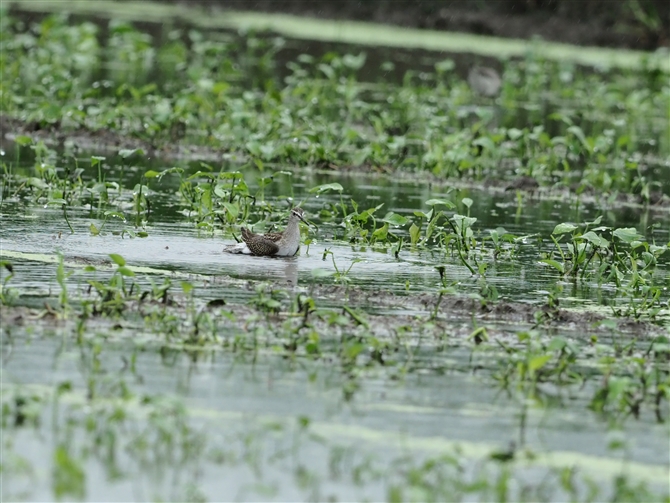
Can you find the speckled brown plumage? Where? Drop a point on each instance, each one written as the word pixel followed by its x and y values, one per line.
pixel 282 244
pixel 261 244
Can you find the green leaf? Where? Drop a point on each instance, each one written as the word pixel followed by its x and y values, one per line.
pixel 479 335
pixel 361 156
pixel 381 234
pixel 23 140
pixel 124 271
pixel 326 187
pixel 427 216
pixel 364 215
pixel 203 174
pixel 321 273
pixel 414 234
pixel 264 181
pixel 38 183
pixel 127 152
pixel 353 350
pixel 577 131
pixel 485 142
pixel 444 202
pixel 556 344
pixel 394 219
pixel 467 202
pixel 114 214
pixel 220 191
pixel 231 208
pixel 596 240
pixel 118 259
pixel 563 228
pixel 445 65
pixel 229 175
pixel 658 250
pixel 556 265
pixel 538 362
pixel 151 174
pixel 596 221
pixel 514 133
pixel 626 234
pixel 462 221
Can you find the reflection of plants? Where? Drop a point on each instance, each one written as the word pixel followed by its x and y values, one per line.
pixel 535 360
pixel 446 288
pixel 152 432
pixel 444 478
pixel 267 299
pixel 626 381
pixel 644 384
pixel 61 278
pixel 8 295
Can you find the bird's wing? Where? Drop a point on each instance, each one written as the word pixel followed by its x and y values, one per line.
pixel 273 236
pixel 260 245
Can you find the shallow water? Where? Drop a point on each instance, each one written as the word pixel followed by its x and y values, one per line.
pixel 174 244
pixel 265 424
pixel 420 417
pixel 352 445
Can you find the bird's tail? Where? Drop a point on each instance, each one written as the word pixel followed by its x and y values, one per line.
pixel 237 248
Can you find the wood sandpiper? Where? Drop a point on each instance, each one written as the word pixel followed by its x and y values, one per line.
pixel 273 244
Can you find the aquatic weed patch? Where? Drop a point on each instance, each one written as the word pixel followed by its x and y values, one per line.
pixel 316 324
pixel 103 420
pixel 95 195
pixel 356 335
pixel 555 122
pixel 151 436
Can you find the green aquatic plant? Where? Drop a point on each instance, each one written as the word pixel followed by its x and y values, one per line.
pixel 620 256
pixel 8 295
pixel 232 94
pixel 210 198
pixel 505 244
pixel 644 383
pixel 341 275
pixel 267 299
pixel 225 90
pixel 116 292
pixel 61 279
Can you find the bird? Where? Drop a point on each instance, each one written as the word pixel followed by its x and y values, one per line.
pixel 485 81
pixel 273 244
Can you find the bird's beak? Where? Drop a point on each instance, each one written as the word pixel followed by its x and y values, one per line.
pixel 307 222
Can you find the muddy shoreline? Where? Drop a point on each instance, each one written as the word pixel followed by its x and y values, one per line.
pixel 385 312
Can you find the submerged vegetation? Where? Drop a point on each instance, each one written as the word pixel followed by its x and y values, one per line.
pixel 581 339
